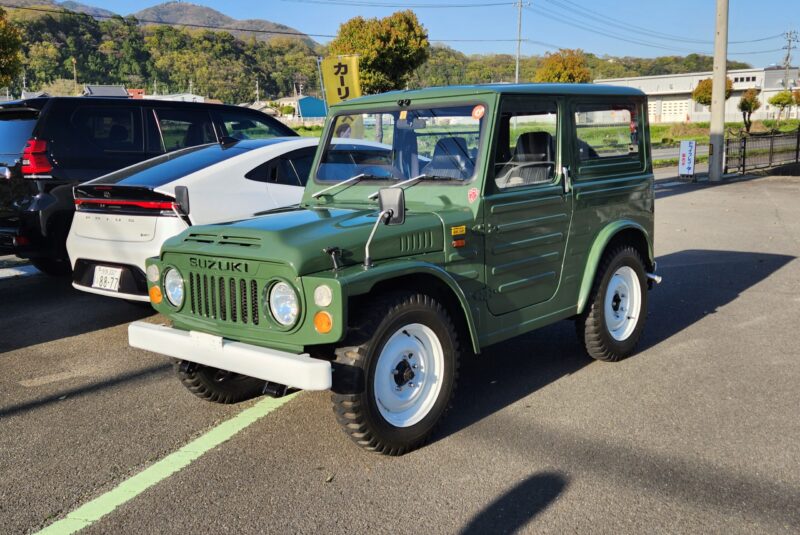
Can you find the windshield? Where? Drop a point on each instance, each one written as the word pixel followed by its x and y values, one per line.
pixel 400 144
pixel 15 130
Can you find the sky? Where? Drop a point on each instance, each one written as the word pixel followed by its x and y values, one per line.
pixel 642 28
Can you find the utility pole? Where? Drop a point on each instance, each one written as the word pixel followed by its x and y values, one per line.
pixel 191 87
pixel 75 72
pixel 718 87
pixel 519 39
pixel 791 38
pixel 258 91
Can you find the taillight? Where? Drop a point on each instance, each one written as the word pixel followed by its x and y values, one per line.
pixel 34 158
pixel 105 203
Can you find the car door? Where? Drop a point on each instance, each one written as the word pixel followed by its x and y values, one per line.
pixel 285 176
pixel 527 211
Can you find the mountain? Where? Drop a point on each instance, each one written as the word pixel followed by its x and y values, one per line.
pixel 89 10
pixel 185 13
pixel 179 13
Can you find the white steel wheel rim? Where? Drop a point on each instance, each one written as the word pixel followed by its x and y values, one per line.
pixel 623 303
pixel 408 375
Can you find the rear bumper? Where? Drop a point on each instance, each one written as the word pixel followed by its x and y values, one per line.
pixel 298 371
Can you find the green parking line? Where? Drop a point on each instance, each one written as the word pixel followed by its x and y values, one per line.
pixel 96 509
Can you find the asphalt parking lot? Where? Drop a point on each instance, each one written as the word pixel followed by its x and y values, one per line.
pixel 698 432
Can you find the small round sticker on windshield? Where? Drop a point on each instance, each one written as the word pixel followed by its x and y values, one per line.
pixel 478 111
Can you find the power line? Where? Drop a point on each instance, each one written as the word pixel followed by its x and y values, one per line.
pixel 229 28
pixel 364 3
pixel 596 16
pixel 160 22
pixel 639 42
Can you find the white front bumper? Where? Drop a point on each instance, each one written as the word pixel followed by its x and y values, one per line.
pixel 298 371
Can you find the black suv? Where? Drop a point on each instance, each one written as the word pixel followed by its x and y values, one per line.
pixel 48 145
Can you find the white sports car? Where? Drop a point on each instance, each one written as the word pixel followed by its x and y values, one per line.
pixel 124 217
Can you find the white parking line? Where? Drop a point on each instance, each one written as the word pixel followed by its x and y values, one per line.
pixel 668 184
pixel 25 270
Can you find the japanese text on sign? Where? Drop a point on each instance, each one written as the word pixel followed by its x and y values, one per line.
pixel 340 77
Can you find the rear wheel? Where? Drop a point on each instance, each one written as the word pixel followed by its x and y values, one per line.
pixel 406 349
pixel 56 267
pixel 612 323
pixel 219 386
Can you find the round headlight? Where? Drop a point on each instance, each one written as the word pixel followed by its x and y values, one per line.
pixel 283 304
pixel 173 287
pixel 323 296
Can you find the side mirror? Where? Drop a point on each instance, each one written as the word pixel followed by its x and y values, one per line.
pixel 393 201
pixel 182 199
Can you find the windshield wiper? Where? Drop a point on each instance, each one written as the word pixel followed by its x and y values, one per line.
pixel 351 180
pixel 411 182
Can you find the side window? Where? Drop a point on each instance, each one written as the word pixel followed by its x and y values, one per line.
pixel 239 125
pixel 606 131
pixel 291 169
pixel 185 128
pixel 526 146
pixel 107 129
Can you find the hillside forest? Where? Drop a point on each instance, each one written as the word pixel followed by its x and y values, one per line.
pixel 169 59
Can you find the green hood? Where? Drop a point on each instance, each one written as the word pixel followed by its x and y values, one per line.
pixel 297 238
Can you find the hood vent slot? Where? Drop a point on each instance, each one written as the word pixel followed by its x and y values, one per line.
pixel 200 238
pixel 241 241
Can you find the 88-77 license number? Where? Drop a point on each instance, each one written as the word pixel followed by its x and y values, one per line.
pixel 106 278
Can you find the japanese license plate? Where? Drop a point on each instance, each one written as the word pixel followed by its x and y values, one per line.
pixel 106 278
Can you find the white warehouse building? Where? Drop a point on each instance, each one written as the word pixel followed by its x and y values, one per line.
pixel 670 95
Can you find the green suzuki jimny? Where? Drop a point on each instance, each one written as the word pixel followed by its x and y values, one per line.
pixel 435 223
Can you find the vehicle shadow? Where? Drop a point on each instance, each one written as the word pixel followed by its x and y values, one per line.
pixel 696 283
pixel 677 187
pixel 40 309
pixel 510 511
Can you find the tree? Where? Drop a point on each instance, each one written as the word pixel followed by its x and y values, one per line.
pixel 782 100
pixel 389 49
pixel 702 93
pixel 61 87
pixel 565 66
pixel 10 55
pixel 747 105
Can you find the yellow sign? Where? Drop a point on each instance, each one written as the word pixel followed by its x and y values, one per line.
pixel 458 231
pixel 340 77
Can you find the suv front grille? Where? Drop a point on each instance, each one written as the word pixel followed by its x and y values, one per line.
pixel 229 299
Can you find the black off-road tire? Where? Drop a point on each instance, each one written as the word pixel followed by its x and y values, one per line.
pixel 591 325
pixel 354 400
pixel 215 385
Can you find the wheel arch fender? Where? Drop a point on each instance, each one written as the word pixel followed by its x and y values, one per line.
pixel 423 275
pixel 615 232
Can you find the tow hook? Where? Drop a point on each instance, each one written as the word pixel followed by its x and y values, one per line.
pixel 274 390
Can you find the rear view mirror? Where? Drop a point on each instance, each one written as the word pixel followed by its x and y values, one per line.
pixel 182 199
pixel 393 201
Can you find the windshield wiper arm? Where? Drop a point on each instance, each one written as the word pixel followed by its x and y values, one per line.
pixel 351 180
pixel 411 182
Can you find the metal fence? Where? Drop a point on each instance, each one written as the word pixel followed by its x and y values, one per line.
pixel 757 152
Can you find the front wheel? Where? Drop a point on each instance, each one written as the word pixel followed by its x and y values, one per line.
pixel 219 386
pixel 612 323
pixel 407 352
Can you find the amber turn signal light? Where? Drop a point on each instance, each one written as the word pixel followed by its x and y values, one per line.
pixel 323 322
pixel 155 295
